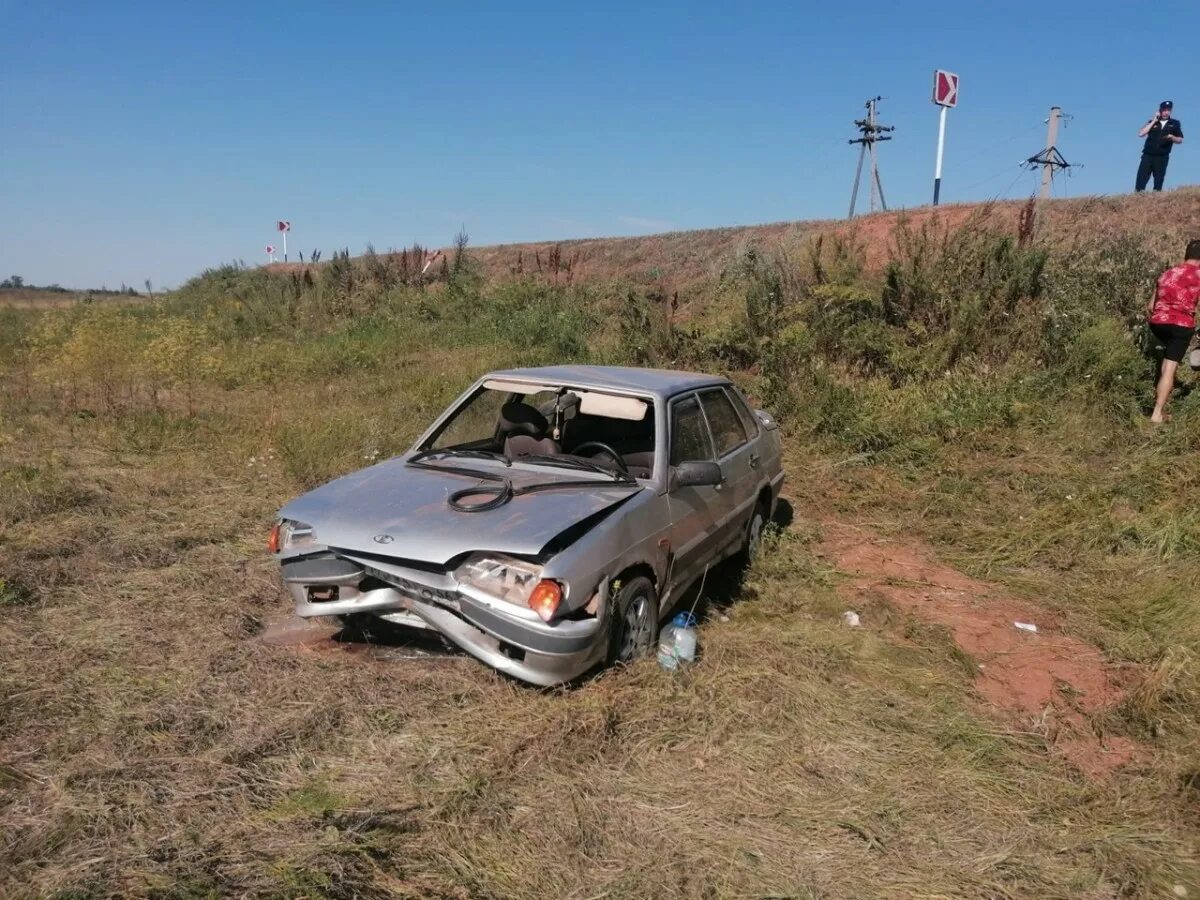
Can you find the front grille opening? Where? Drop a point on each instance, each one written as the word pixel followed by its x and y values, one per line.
pixel 418 565
pixel 516 654
pixel 323 593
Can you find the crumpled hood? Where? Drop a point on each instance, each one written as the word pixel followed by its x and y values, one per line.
pixel 409 505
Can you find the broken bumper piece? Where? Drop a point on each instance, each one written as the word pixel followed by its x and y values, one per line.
pixel 526 648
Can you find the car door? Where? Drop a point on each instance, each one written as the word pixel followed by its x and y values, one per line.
pixel 696 512
pixel 736 454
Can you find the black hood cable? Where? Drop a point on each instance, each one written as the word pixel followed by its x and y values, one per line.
pixel 502 491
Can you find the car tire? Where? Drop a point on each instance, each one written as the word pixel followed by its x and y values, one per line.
pixel 634 622
pixel 755 526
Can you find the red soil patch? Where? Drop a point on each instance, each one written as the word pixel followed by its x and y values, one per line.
pixel 292 631
pixel 1050 682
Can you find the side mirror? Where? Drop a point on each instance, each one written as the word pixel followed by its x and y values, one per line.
pixel 695 474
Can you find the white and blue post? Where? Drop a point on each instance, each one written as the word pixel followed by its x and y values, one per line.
pixel 937 172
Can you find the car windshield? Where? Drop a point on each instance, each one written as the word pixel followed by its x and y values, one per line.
pixel 551 425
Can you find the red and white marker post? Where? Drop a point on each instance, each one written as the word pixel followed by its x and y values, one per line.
pixel 270 253
pixel 284 227
pixel 945 95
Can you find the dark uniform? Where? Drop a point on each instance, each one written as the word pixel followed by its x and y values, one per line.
pixel 1156 152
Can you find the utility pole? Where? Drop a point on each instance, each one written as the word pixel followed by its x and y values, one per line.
pixel 1051 140
pixel 872 132
pixel 1049 159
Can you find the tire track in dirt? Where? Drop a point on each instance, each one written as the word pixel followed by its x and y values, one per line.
pixel 1050 682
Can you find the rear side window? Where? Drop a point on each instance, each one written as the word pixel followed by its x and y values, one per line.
pixel 689 433
pixel 727 429
pixel 749 419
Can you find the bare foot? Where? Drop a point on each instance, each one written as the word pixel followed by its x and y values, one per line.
pixel 1160 418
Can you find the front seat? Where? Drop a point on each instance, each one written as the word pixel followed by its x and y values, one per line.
pixel 526 431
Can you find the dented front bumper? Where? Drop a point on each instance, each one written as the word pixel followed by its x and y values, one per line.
pixel 508 639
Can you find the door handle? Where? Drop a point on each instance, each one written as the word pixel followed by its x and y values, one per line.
pixel 754 460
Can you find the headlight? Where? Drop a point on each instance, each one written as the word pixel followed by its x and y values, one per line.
pixel 290 535
pixel 500 577
pixel 513 581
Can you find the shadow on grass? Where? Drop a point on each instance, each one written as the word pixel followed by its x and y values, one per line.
pixel 388 640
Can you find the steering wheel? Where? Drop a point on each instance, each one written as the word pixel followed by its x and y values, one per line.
pixel 616 457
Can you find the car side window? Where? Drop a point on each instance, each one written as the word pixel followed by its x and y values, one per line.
pixel 690 440
pixel 749 419
pixel 727 428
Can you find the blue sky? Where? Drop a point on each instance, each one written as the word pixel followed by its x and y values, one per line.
pixel 150 140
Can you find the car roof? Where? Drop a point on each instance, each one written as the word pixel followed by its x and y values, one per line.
pixel 660 382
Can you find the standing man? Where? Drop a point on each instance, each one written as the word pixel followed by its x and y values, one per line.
pixel 1161 134
pixel 1172 315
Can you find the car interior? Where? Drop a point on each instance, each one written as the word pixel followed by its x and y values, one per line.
pixel 570 425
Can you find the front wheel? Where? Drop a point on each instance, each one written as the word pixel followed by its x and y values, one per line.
pixel 755 527
pixel 634 621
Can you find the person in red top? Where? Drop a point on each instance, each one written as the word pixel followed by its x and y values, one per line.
pixel 1172 316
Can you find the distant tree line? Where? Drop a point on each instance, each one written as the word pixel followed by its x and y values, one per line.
pixel 16 282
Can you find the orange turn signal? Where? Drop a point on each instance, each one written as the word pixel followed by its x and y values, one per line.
pixel 273 539
pixel 545 599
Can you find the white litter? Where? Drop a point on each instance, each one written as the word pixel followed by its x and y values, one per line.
pixel 850 617
pixel 1026 626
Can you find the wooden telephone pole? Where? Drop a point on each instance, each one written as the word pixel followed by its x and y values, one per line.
pixel 872 132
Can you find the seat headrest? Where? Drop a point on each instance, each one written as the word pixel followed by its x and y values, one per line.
pixel 521 418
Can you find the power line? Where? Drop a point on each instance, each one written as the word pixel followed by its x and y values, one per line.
pixel 1004 194
pixel 980 154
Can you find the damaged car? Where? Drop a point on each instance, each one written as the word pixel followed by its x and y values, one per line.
pixel 546 522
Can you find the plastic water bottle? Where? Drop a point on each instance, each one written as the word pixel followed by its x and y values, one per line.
pixel 677 642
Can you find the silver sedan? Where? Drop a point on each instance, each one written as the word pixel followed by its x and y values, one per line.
pixel 547 521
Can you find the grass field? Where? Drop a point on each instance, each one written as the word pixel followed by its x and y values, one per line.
pixel 978 399
pixel 37 298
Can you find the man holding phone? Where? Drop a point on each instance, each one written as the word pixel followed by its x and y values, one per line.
pixel 1161 133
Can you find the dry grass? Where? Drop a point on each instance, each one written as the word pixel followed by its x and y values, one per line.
pixel 152 745
pixel 29 298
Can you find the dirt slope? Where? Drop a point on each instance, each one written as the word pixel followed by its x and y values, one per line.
pixel 1168 220
pixel 680 258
